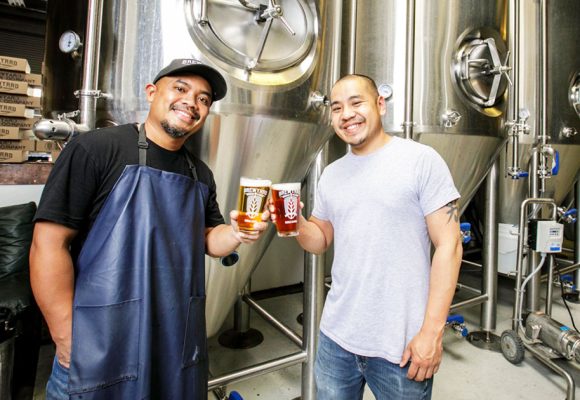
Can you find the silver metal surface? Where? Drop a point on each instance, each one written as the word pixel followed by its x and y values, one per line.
pixel 560 48
pixel 570 391
pixel 265 127
pixel 313 287
pixel 257 370
pixel 577 231
pixel 489 308
pixel 557 336
pixel 469 302
pixel 435 30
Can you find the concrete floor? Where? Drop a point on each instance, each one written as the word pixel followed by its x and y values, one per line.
pixel 466 373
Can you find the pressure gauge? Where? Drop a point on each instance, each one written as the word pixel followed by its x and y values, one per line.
pixel 69 42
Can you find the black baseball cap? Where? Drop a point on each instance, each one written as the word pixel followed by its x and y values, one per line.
pixel 191 66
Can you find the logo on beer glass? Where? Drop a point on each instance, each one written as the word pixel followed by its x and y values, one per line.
pixel 286 197
pixel 290 204
pixel 251 202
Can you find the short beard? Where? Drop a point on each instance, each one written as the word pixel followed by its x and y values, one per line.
pixel 172 131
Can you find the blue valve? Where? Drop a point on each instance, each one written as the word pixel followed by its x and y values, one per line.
pixel 235 396
pixel 465 228
pixel 521 174
pixel 457 323
pixel 556 163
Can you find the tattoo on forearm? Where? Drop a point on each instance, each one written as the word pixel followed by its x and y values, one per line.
pixel 452 211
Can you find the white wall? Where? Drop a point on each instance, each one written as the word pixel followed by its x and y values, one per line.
pixel 19 194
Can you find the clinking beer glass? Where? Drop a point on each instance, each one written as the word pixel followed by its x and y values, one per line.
pixel 251 202
pixel 286 199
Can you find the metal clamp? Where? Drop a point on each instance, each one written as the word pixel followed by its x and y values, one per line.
pixel 450 118
pixel 568 132
pixel 93 93
pixel 318 100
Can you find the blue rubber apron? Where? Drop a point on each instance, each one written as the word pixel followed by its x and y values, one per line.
pixel 139 304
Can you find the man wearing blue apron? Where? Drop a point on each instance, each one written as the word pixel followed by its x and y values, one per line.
pixel 117 261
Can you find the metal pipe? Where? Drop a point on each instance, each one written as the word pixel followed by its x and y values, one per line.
pixel 351 49
pixel 257 370
pixel 313 286
pixel 565 270
pixel 577 242
pixel 409 69
pixel 543 94
pixel 549 286
pixel 489 254
pixel 203 14
pixel 88 99
pixel 461 286
pixel 549 363
pixel 242 310
pixel 516 102
pixel 272 320
pixel 520 252
pixel 469 302
pixel 472 263
pixel 533 259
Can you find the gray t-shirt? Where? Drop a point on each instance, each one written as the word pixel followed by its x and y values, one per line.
pixel 377 205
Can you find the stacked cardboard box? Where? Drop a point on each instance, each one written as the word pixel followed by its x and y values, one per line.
pixel 20 104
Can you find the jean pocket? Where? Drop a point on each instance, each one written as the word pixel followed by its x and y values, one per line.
pixel 195 341
pixel 105 348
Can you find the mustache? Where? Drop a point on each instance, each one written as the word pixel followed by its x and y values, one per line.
pixel 194 114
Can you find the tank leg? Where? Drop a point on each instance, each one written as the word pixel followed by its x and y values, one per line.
pixel 313 290
pixel 241 336
pixel 484 338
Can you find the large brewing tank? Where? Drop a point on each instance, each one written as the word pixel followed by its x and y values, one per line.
pixel 562 102
pixel 277 57
pixel 457 71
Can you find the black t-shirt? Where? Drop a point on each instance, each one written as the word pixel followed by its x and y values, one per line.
pixel 90 165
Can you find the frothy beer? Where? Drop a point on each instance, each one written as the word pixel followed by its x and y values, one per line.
pixel 251 202
pixel 286 198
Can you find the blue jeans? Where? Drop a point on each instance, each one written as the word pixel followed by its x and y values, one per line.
pixel 57 386
pixel 341 375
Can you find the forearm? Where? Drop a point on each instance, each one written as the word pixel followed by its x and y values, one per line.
pixel 444 272
pixel 52 281
pixel 310 237
pixel 221 241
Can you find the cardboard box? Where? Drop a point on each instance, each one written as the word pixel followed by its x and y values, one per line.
pixel 31 79
pixel 10 133
pixel 15 87
pixel 22 123
pixel 16 110
pixel 28 101
pixel 25 144
pixel 47 145
pixel 13 156
pixel 14 64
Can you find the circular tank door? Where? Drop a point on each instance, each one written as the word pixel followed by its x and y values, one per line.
pixel 479 69
pixel 269 44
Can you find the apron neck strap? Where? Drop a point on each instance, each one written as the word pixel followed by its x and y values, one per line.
pixel 143 146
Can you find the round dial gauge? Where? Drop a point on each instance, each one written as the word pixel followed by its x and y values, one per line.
pixel 69 42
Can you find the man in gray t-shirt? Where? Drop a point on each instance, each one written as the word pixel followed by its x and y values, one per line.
pixel 383 204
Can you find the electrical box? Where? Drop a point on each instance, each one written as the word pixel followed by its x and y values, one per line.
pixel 545 236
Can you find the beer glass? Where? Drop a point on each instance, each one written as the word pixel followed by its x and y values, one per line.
pixel 251 202
pixel 286 199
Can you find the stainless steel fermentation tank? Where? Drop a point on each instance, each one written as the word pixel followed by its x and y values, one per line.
pixel 277 60
pixel 548 93
pixel 446 87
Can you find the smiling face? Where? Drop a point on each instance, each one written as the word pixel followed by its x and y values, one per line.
pixel 179 105
pixel 356 110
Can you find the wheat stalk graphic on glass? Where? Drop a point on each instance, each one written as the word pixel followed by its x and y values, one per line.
pixel 253 206
pixel 290 207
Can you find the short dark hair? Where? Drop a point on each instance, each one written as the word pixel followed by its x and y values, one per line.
pixel 370 81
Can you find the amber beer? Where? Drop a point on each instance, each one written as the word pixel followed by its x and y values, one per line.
pixel 251 202
pixel 286 198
